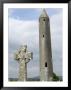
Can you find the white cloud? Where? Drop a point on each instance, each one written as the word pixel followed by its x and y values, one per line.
pixel 20 31
pixel 56 37
pixel 33 69
pixel 27 32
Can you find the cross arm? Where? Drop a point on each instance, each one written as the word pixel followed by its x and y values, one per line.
pixel 17 55
pixel 28 56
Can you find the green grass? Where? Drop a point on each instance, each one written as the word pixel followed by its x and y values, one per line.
pixel 55 77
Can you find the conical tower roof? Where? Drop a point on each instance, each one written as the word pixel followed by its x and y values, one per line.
pixel 44 13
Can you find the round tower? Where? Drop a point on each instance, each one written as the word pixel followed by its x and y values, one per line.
pixel 46 69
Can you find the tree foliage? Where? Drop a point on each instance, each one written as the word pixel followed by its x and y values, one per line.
pixel 55 77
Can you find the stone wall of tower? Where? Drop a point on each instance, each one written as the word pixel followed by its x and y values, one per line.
pixel 46 70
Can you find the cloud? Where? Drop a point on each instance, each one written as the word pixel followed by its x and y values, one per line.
pixel 56 31
pixel 27 32
pixel 19 31
pixel 56 40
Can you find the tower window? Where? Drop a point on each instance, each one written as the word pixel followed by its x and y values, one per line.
pixel 45 64
pixel 43 35
pixel 43 19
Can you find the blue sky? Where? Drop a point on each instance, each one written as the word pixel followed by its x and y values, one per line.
pixel 30 14
pixel 24 29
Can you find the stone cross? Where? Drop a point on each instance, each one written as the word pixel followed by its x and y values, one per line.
pixel 23 56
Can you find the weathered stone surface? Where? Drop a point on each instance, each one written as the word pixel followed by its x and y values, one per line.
pixel 46 69
pixel 23 56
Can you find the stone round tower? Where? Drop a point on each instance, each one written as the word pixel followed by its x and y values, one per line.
pixel 46 69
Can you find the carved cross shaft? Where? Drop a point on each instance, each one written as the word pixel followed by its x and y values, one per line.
pixel 23 56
